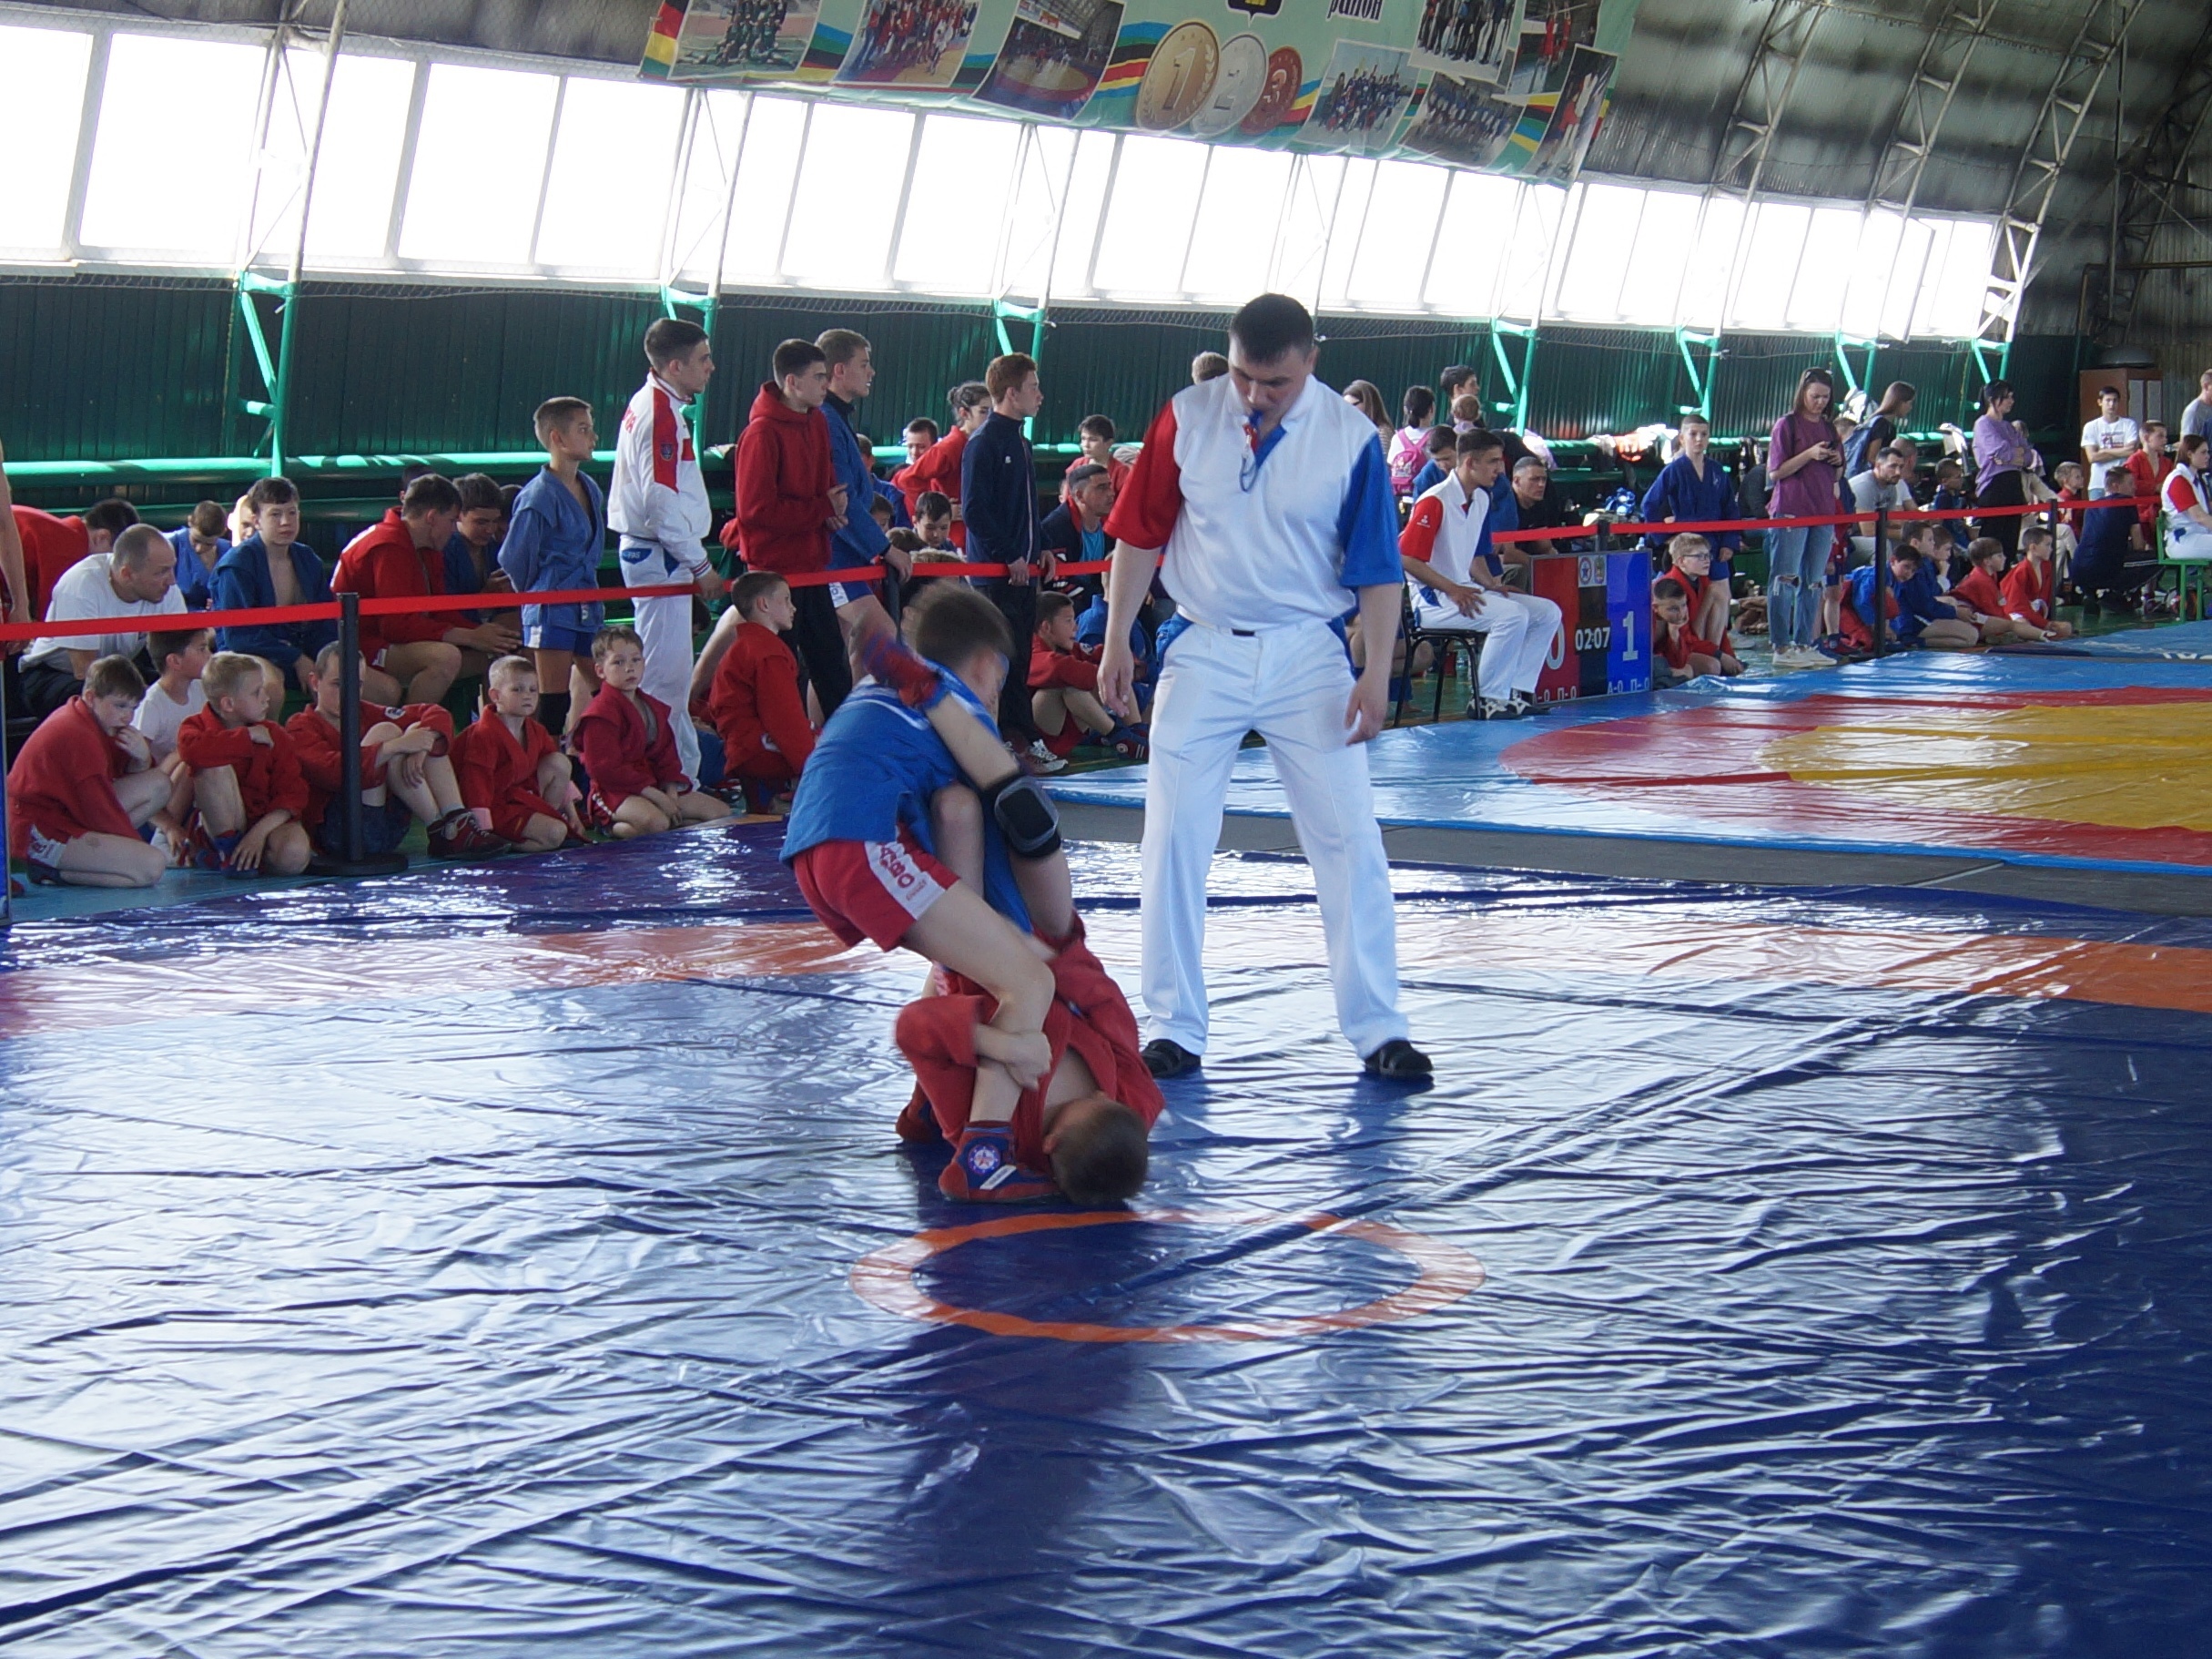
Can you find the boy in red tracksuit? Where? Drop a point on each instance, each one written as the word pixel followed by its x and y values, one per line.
pixel 628 741
pixel 755 698
pixel 248 789
pixel 513 776
pixel 1979 597
pixel 1064 686
pixel 1086 1123
pixel 2030 587
pixel 1683 652
pixel 84 784
pixel 407 771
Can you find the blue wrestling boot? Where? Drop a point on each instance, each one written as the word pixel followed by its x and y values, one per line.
pixel 983 1170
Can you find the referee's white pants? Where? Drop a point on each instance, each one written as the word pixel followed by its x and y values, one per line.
pixel 1521 628
pixel 665 626
pixel 1290 684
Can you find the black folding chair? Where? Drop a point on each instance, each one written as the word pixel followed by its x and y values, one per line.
pixel 1442 642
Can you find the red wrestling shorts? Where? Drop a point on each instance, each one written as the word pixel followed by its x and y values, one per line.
pixel 870 890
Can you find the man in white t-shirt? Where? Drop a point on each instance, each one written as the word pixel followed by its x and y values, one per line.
pixel 2196 415
pixel 1882 488
pixel 138 579
pixel 2109 441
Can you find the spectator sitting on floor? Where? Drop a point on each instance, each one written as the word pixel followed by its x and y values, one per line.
pixel 1910 612
pixel 514 781
pixel 84 784
pixel 1063 680
pixel 1690 567
pixel 1676 653
pixel 2031 587
pixel 248 788
pixel 408 772
pixel 1979 595
pixel 627 740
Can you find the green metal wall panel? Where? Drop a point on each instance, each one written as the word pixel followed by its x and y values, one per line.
pixel 93 369
pixel 101 370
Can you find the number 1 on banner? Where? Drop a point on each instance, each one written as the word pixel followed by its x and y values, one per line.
pixel 1628 637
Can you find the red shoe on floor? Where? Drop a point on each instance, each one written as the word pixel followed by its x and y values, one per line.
pixel 460 836
pixel 918 1124
pixel 983 1170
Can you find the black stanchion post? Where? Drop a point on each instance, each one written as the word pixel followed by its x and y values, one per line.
pixel 357 861
pixel 1882 581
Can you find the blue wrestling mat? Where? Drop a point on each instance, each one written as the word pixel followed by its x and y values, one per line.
pixel 518 1261
pixel 2091 755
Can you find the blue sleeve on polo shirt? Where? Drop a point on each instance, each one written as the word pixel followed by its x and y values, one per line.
pixel 1367 523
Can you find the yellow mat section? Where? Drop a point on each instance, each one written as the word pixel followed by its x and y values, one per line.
pixel 2131 766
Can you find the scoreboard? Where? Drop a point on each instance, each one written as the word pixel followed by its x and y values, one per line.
pixel 1605 644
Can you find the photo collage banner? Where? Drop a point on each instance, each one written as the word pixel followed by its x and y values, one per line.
pixel 1507 86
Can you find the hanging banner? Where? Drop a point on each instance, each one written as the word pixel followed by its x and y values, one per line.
pixel 1508 85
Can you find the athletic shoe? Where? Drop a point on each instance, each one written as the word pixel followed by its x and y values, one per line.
pixel 916 1123
pixel 1501 708
pixel 1398 1060
pixel 458 836
pixel 1127 742
pixel 983 1170
pixel 207 852
pixel 42 875
pixel 1043 759
pixel 1528 705
pixel 1165 1057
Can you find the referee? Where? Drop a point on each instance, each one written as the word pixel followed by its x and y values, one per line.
pixel 1270 497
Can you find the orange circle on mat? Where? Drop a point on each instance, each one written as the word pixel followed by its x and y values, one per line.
pixel 885 1278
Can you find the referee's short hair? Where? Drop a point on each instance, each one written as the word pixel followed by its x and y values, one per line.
pixel 1270 326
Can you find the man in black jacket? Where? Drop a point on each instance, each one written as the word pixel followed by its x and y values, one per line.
pixel 999 503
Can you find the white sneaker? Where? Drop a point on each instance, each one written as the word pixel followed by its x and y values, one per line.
pixel 1044 759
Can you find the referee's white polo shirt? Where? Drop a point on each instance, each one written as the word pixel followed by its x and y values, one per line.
pixel 1262 534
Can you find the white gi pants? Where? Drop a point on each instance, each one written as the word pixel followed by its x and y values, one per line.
pixel 1291 685
pixel 1521 628
pixel 665 625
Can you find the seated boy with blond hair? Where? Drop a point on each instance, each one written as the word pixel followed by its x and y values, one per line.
pixel 628 741
pixel 248 789
pixel 513 776
pixel 84 786
pixel 407 771
pixel 900 833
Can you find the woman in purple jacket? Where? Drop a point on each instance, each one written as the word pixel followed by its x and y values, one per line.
pixel 2006 466
pixel 1804 458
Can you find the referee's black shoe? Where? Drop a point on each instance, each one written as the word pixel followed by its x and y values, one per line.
pixel 1398 1060
pixel 1165 1058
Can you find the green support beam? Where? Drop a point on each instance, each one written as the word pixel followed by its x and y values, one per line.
pixel 1700 354
pixel 1516 374
pixel 1859 376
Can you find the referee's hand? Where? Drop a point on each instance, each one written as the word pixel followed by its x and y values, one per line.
pixel 1117 677
pixel 1364 713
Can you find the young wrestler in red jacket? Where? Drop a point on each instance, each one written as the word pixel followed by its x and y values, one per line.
pixel 84 784
pixel 513 776
pixel 755 699
pixel 628 746
pixel 2029 586
pixel 1980 591
pixel 246 785
pixel 1064 686
pixel 1086 1125
pixel 407 771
